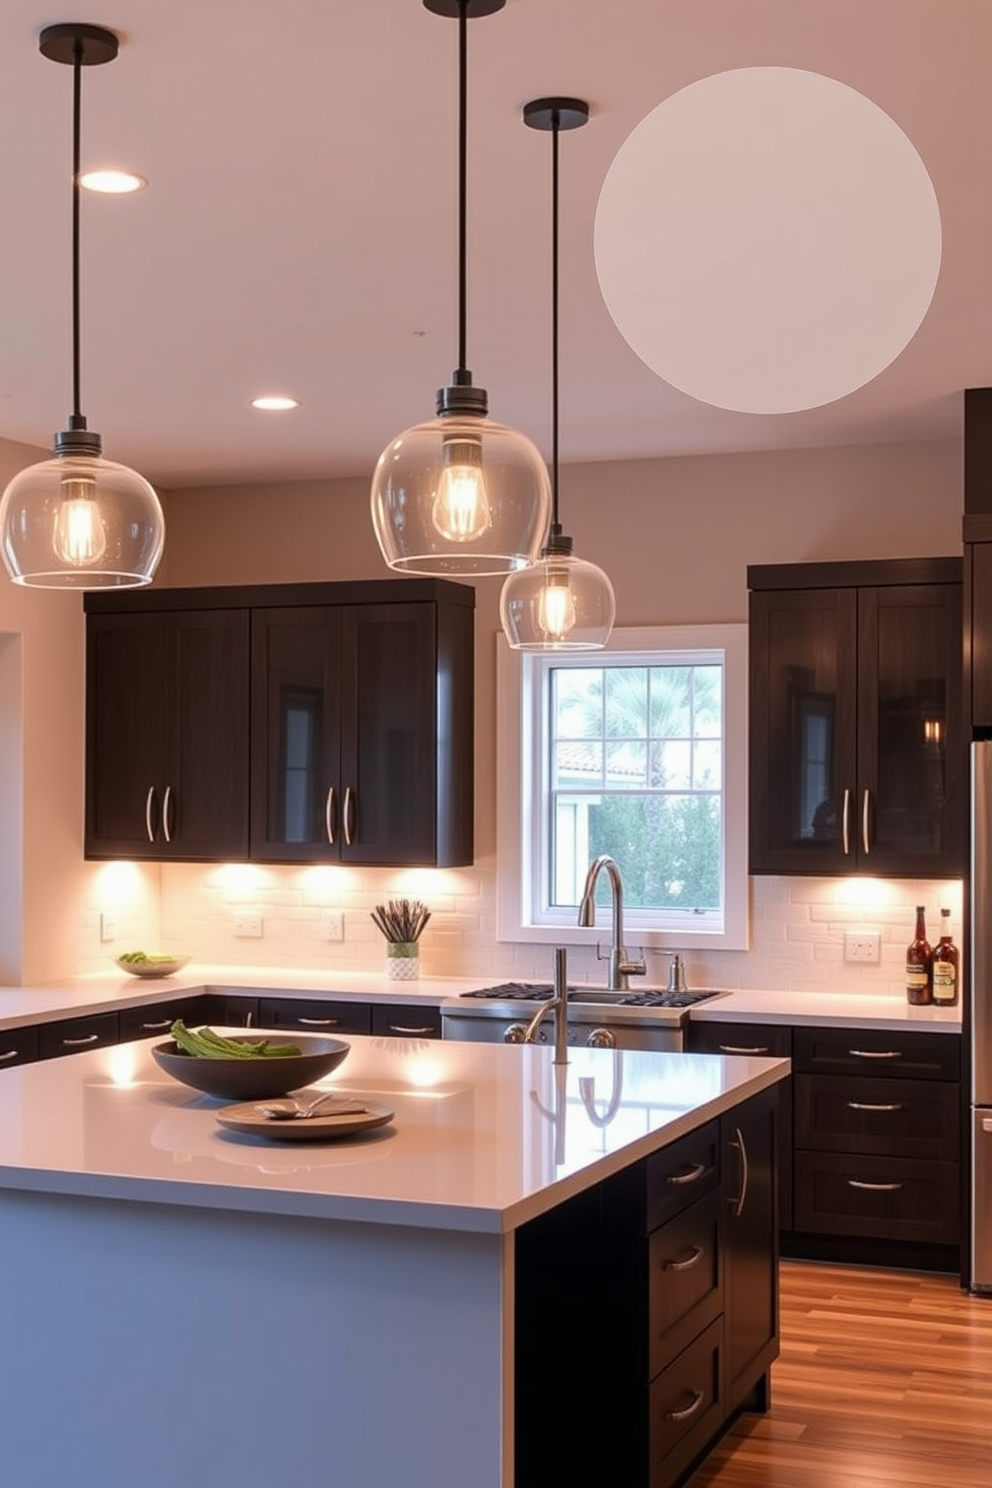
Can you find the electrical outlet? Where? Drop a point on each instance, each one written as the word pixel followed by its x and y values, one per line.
pixel 863 945
pixel 248 922
pixel 108 925
pixel 332 921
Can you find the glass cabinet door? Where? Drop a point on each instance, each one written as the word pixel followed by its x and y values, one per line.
pixel 803 662
pixel 909 728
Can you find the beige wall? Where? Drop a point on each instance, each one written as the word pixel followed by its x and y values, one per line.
pixel 674 535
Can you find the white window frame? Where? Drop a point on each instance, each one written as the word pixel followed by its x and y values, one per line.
pixel 521 851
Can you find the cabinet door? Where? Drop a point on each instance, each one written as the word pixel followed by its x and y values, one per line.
pixel 167 735
pixel 205 793
pixel 389 747
pixel 127 664
pixel 910 815
pixel 296 732
pixel 751 1245
pixel 802 755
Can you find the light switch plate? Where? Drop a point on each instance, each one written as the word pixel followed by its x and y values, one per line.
pixel 248 922
pixel 863 945
pixel 108 925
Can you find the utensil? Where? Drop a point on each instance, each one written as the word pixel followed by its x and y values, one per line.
pixel 293 1109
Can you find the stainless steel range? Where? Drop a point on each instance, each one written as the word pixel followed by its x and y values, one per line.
pixel 596 1018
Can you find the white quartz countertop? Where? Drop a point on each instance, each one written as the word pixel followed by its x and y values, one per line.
pixel 836 1009
pixel 484 1137
pixel 105 992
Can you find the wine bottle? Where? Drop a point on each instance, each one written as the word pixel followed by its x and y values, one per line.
pixel 945 963
pixel 918 963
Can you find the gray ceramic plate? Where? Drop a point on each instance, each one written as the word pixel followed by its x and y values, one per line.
pixel 252 1123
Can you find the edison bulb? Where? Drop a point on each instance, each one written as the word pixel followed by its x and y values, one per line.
pixel 80 538
pixel 461 512
pixel 556 604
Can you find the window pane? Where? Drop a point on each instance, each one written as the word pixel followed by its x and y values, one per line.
pixel 626 702
pixel 577 764
pixel 670 762
pixel 670 701
pixel 577 702
pixel 626 766
pixel 707 702
pixel 706 765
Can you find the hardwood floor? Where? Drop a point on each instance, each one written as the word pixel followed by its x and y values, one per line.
pixel 884 1381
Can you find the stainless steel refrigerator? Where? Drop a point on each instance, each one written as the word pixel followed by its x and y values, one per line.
pixel 981 1016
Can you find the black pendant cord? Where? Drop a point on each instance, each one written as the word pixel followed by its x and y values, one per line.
pixel 555 128
pixel 76 421
pixel 462 372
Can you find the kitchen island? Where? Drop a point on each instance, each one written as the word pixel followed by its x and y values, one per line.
pixel 184 1304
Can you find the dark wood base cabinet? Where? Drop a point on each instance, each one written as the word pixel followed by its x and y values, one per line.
pixel 647 1310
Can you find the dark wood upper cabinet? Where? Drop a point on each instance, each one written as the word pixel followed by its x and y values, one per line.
pixel 167 734
pixel 856 750
pixel 362 734
pixel 286 723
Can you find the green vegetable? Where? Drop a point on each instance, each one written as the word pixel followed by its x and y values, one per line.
pixel 142 958
pixel 206 1044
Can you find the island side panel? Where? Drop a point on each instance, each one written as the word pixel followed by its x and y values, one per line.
pixel 162 1345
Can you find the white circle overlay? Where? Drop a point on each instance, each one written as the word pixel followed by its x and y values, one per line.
pixel 767 240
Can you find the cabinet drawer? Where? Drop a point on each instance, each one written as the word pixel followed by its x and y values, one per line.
pixel 880 1052
pixel 895 1118
pixel 889 1198
pixel 156 1020
pixel 682 1173
pixel 316 1016
pixel 223 1011
pixel 685 1406
pixel 762 1040
pixel 76 1035
pixel 685 1286
pixel 406 1021
pixel 18 1046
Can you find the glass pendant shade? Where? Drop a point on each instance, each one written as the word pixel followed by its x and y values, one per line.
pixel 460 495
pixel 78 521
pixel 560 603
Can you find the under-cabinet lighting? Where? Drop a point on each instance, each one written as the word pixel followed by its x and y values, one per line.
pixel 112 182
pixel 275 402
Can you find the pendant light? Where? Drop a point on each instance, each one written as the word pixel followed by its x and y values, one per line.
pixel 560 603
pixel 78 521
pixel 460 495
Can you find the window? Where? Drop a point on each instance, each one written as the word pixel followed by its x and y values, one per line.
pixel 637 751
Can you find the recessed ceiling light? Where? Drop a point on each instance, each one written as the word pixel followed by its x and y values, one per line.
pixel 275 403
pixel 112 182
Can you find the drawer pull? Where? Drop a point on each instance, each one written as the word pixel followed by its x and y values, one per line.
pixel 869 1106
pixel 318 1022
pixel 10 1054
pixel 167 814
pixel 329 815
pixel 76 1043
pixel 874 1187
pixel 690 1410
pixel 691 1175
pixel 735 1049
pixel 154 1027
pixel 875 1053
pixel 688 1263
pixel 401 1028
pixel 738 1141
pixel 845 818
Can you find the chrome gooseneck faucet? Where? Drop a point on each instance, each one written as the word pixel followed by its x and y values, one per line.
pixel 621 965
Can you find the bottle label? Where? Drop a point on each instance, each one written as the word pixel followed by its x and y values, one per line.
pixel 916 977
pixel 944 981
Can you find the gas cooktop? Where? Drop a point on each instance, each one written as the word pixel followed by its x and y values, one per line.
pixel 541 991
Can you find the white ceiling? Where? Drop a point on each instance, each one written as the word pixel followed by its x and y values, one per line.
pixel 299 228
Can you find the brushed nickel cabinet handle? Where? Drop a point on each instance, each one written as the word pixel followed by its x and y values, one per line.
pixel 166 824
pixel 845 823
pixel 349 815
pixel 740 1144
pixel 865 805
pixel 401 1028
pixel 869 1106
pixel 318 1022
pixel 10 1054
pixel 875 1053
pixel 874 1187
pixel 690 1410
pixel 329 815
pixel 154 1027
pixel 692 1175
pixel 149 802
pixel 740 1049
pixel 688 1263
pixel 77 1043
